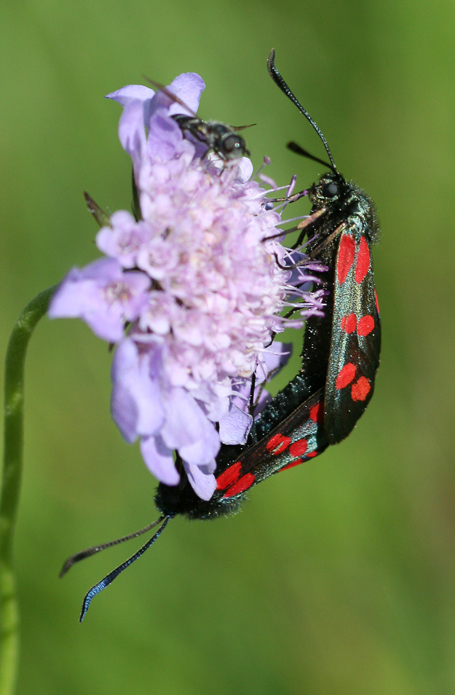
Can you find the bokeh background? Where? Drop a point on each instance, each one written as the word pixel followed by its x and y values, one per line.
pixel 338 576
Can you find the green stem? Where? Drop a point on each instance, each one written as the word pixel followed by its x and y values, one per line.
pixel 12 474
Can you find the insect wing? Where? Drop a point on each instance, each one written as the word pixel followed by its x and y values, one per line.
pixel 173 97
pixel 356 338
pixel 298 438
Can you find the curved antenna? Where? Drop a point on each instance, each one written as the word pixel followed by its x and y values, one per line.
pixel 77 557
pixel 294 147
pixel 276 77
pixel 115 573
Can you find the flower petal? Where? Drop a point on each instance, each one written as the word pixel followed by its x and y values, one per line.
pixel 203 450
pixel 82 294
pixel 131 92
pixel 202 481
pixel 136 400
pixel 159 460
pixel 165 136
pixel 131 131
pixel 124 238
pixel 245 169
pixel 235 426
pixel 188 87
pixel 187 429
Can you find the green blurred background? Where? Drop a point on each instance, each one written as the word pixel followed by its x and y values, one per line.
pixel 338 577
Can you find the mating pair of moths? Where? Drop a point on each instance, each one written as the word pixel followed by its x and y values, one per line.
pixel 340 354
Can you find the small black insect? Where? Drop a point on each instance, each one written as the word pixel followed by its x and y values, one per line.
pixel 340 355
pixel 218 137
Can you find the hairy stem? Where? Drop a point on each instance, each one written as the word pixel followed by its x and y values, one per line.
pixel 12 474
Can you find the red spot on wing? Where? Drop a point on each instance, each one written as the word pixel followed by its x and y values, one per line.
pixel 376 298
pixel 349 323
pixel 361 389
pixel 298 448
pixel 312 454
pixel 346 375
pixel 366 325
pixel 363 261
pixel 346 254
pixel 291 465
pixel 277 444
pixel 241 485
pixel 317 413
pixel 229 476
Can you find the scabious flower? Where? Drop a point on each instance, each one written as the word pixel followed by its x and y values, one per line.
pixel 190 293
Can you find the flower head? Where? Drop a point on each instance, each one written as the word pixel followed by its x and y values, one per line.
pixel 191 293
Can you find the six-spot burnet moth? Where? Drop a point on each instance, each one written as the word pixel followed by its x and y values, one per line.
pixel 340 357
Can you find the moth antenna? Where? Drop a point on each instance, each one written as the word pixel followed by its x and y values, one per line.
pixel 77 557
pixel 276 77
pixel 108 579
pixel 294 147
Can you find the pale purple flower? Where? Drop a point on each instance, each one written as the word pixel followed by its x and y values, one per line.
pixel 124 238
pixel 103 296
pixel 191 293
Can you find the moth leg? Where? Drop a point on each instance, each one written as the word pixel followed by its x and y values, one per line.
pixel 304 224
pixel 343 227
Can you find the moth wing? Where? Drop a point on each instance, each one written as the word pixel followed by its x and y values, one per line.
pixel 298 438
pixel 356 338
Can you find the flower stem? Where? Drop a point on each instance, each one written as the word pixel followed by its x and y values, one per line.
pixel 12 474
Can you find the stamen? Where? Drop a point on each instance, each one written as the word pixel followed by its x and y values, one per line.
pixel 292 199
pixel 291 185
pixel 266 162
pixel 290 189
pixel 264 193
pixel 294 219
pixel 269 181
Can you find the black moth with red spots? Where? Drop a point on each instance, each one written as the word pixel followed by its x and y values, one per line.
pixel 340 357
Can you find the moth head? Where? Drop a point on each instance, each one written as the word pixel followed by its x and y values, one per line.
pixel 329 189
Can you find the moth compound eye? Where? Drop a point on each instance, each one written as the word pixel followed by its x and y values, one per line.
pixel 331 190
